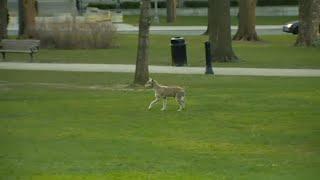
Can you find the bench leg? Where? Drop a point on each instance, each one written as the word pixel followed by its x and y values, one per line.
pixel 31 57
pixel 3 55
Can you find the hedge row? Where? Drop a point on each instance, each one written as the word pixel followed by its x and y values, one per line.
pixel 124 5
pixel 102 5
pixel 198 4
pixel 277 2
pixel 191 4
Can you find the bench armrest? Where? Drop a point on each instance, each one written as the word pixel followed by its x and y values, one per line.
pixel 34 49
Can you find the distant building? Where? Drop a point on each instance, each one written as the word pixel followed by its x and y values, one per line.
pixel 46 7
pixel 55 7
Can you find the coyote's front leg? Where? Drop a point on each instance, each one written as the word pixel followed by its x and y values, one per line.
pixel 153 102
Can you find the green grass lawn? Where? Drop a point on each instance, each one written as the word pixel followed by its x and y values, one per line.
pixel 59 125
pixel 275 51
pixel 203 21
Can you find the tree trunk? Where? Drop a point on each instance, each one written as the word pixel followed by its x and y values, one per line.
pixel 208 25
pixel 3 19
pixel 27 22
pixel 142 72
pixel 21 18
pixel 171 10
pixel 207 31
pixel 220 31
pixel 309 19
pixel 247 21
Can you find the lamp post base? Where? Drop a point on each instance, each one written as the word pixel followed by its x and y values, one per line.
pixel 209 70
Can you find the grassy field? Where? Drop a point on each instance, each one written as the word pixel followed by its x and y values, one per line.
pixel 59 125
pixel 275 51
pixel 203 21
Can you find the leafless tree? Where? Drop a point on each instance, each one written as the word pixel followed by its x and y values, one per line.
pixel 309 19
pixel 247 21
pixel 3 19
pixel 27 14
pixel 220 31
pixel 142 62
pixel 171 10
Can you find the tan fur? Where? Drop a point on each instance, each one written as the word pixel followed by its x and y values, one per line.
pixel 166 91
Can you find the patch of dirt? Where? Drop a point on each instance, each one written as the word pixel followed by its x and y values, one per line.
pixel 4 87
pixel 117 87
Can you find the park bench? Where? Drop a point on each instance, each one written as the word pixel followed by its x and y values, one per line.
pixel 28 46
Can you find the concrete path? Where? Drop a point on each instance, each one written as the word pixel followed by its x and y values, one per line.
pixel 160 69
pixel 169 30
pixel 193 30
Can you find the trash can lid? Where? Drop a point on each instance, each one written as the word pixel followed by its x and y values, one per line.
pixel 177 40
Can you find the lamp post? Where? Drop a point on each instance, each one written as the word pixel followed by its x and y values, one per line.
pixel 74 10
pixel 180 3
pixel 208 58
pixel 80 7
pixel 118 6
pixel 156 13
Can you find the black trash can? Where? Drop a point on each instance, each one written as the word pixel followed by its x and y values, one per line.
pixel 178 51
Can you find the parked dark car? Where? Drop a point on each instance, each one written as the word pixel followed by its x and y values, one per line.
pixel 291 27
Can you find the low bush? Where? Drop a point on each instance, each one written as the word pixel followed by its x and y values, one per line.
pixel 102 5
pixel 191 4
pixel 316 43
pixel 161 4
pixel 76 35
pixel 125 5
pixel 277 2
pixel 200 4
pixel 196 4
pixel 203 4
pixel 130 5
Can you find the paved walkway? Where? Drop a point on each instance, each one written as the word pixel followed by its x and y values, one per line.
pixel 171 30
pixel 193 30
pixel 129 27
pixel 160 69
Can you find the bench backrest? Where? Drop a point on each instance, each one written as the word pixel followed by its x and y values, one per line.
pixel 23 44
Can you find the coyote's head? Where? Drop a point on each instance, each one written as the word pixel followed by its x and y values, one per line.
pixel 149 83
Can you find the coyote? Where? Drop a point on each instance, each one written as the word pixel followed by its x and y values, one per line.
pixel 164 92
